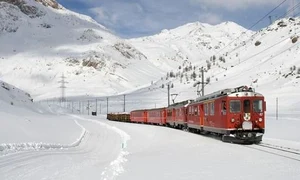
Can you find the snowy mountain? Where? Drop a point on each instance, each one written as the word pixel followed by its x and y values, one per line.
pixel 41 40
pixel 193 42
pixel 230 56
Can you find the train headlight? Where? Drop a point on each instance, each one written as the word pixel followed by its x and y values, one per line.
pixel 249 135
pixel 232 120
pixel 260 119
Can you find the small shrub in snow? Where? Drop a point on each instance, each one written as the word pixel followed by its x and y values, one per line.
pixel 298 72
pixel 214 57
pixel 294 39
pixel 47 26
pixel 194 75
pixel 208 80
pixel 281 24
pixel 5 86
pixel 208 65
pixel 257 43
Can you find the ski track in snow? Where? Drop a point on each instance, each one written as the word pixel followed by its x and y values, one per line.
pixel 22 155
pixel 115 168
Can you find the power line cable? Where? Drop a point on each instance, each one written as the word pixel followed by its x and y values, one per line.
pixel 297 5
pixel 252 26
pixel 267 59
pixel 289 11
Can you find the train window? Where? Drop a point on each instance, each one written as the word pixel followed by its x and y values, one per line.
pixel 257 105
pixel 169 113
pixel 247 106
pixel 235 106
pixel 195 111
pixel 224 105
pixel 205 109
pixel 212 108
pixel 223 108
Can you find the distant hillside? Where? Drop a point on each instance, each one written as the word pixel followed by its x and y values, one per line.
pixel 230 56
pixel 12 96
pixel 41 40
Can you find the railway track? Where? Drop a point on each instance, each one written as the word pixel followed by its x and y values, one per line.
pixel 280 148
pixel 282 151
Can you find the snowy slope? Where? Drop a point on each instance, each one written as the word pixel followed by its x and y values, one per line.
pixel 29 126
pixel 41 44
pixel 266 60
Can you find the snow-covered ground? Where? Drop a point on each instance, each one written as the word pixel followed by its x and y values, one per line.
pixel 113 150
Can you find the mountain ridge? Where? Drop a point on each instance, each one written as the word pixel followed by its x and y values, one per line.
pixel 98 63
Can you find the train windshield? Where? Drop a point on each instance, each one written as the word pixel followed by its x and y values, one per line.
pixel 235 106
pixel 258 106
pixel 247 106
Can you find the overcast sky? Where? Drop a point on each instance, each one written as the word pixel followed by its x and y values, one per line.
pixel 135 18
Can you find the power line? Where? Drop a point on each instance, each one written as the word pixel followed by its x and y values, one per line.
pixel 252 26
pixel 267 59
pixel 289 11
pixel 297 5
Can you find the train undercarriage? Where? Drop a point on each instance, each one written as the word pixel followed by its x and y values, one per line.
pixel 243 137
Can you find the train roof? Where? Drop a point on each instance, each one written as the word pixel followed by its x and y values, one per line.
pixel 239 91
pixel 182 103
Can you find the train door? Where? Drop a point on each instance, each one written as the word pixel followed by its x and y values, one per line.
pixel 247 124
pixel 224 113
pixel 201 111
pixel 174 115
pixel 246 110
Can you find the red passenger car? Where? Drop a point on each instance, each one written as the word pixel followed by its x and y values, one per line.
pixel 138 116
pixel 176 114
pixel 157 116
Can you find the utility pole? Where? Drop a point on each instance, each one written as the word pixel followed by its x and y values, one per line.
pixel 96 105
pixel 124 103
pixel 88 107
pixel 202 83
pixel 202 74
pixel 79 107
pixel 63 87
pixel 168 94
pixel 270 17
pixel 107 105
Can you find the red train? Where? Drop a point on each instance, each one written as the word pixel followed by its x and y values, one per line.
pixel 237 115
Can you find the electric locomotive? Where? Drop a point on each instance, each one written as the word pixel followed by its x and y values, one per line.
pixel 237 114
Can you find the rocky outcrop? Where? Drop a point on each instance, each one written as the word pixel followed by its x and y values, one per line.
pixel 51 3
pixel 31 11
